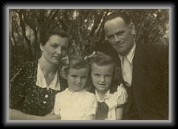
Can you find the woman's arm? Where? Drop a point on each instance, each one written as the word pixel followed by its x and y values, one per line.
pixel 119 113
pixel 18 115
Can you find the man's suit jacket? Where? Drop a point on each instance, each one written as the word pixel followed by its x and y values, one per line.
pixel 149 89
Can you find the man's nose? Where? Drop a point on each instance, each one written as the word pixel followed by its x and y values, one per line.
pixel 116 38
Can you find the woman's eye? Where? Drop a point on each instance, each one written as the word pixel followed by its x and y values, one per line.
pixel 64 49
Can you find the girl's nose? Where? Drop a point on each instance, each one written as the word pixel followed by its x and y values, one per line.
pixel 78 80
pixel 102 79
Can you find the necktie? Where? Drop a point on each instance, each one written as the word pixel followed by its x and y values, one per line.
pixel 126 71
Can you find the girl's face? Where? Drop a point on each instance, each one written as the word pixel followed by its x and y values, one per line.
pixel 102 76
pixel 77 78
pixel 55 49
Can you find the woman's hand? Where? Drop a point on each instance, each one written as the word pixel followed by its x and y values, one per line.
pixel 51 117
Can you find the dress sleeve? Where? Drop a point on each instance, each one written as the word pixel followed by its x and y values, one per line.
pixel 17 87
pixel 92 105
pixel 57 104
pixel 121 95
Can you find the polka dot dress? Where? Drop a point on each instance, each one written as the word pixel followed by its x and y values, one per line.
pixel 26 96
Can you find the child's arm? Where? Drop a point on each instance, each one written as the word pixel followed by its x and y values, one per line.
pixel 56 110
pixel 91 117
pixel 56 114
pixel 92 108
pixel 119 113
pixel 122 100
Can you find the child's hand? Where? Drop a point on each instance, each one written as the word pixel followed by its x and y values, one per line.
pixel 52 112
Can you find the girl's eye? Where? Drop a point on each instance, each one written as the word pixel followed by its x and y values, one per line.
pixel 97 75
pixel 84 77
pixel 74 76
pixel 108 76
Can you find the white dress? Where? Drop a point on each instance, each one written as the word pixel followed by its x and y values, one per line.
pixel 114 100
pixel 75 105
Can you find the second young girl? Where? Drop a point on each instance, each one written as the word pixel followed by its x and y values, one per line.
pixel 111 99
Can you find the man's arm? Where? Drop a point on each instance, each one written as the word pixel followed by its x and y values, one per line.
pixel 119 113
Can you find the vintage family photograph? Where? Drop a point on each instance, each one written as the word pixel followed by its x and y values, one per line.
pixel 89 64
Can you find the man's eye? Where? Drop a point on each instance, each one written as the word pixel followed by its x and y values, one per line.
pixel 110 37
pixel 120 33
pixel 54 46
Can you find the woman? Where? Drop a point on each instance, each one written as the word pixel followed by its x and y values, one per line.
pixel 35 84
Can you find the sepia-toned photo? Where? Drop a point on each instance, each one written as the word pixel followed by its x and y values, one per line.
pixel 89 64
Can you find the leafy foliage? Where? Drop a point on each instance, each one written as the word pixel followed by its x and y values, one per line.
pixel 85 27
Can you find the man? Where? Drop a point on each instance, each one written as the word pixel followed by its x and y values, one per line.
pixel 144 70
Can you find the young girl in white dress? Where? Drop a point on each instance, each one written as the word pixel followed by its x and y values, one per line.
pixel 76 103
pixel 111 98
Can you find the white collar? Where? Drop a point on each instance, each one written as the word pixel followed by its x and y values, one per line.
pixel 107 94
pixel 130 55
pixel 41 82
pixel 78 92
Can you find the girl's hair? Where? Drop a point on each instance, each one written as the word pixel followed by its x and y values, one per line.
pixel 77 62
pixel 46 35
pixel 101 59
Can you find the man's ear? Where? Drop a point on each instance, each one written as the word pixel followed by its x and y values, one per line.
pixel 132 27
pixel 41 47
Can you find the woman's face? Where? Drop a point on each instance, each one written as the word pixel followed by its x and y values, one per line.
pixel 55 49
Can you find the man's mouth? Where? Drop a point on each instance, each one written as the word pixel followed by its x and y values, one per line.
pixel 119 44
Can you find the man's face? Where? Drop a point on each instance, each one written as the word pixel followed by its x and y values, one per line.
pixel 120 35
pixel 55 48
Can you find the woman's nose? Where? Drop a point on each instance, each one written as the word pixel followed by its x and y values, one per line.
pixel 58 50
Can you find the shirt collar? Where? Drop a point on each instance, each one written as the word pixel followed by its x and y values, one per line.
pixel 41 82
pixel 131 54
pixel 78 92
pixel 106 96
